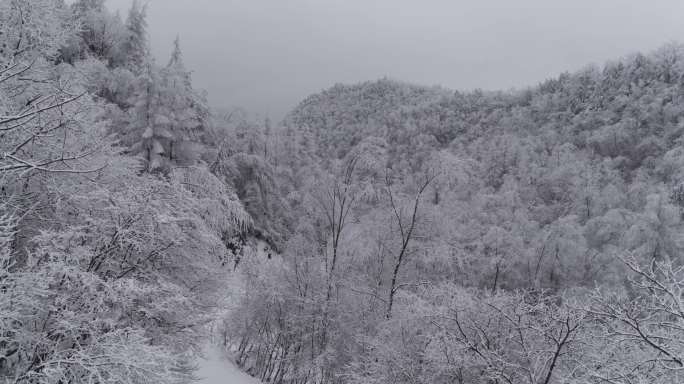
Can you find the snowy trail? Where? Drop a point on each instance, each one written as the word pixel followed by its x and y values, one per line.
pixel 216 368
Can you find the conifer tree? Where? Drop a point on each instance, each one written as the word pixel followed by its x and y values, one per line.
pixel 169 117
pixel 136 46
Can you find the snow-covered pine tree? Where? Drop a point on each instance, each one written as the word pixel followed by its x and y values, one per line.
pixel 136 47
pixel 185 109
pixel 169 117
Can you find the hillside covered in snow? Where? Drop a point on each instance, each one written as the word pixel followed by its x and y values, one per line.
pixel 382 233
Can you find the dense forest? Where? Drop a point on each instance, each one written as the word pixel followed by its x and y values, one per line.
pixel 383 232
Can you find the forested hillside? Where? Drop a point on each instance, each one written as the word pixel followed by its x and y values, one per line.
pixel 113 230
pixel 383 232
pixel 531 236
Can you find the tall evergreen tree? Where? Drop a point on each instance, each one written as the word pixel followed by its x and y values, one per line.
pixel 169 117
pixel 136 46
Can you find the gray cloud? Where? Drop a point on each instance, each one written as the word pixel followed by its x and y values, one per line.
pixel 266 55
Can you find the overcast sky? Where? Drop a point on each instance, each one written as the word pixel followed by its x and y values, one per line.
pixel 267 55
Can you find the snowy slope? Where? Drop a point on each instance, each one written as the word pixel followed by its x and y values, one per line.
pixel 217 368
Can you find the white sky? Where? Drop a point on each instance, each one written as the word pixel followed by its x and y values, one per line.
pixel 267 55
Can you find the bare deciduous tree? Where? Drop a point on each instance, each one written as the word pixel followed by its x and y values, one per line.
pixel 406 222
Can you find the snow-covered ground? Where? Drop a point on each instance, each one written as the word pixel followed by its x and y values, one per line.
pixel 217 368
